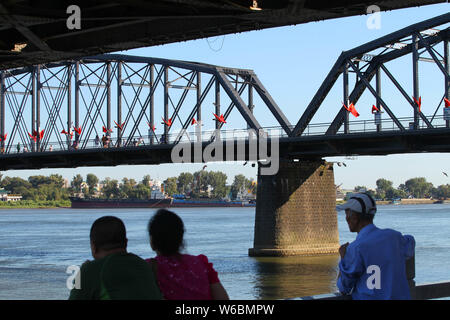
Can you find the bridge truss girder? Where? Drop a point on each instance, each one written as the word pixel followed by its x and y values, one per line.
pixel 411 39
pixel 80 94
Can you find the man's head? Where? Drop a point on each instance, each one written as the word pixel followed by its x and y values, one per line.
pixel 107 235
pixel 360 210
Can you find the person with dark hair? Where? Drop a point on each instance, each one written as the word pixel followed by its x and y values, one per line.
pixel 373 267
pixel 114 274
pixel 180 276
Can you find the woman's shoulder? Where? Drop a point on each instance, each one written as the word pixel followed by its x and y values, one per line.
pixel 179 257
pixel 190 257
pixel 203 258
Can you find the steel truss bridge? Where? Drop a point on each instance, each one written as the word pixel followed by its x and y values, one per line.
pixel 37 32
pixel 51 114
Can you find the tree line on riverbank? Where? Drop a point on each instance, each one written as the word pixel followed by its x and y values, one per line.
pixel 44 191
pixel 417 187
pixel 208 184
pixel 50 190
pixel 39 190
pixel 211 184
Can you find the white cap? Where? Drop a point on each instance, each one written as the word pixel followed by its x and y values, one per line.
pixel 359 202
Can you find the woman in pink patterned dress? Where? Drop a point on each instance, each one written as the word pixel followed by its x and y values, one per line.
pixel 180 276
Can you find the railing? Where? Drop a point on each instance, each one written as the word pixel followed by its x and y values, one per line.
pixel 427 291
pixel 418 292
pixel 368 126
pixel 317 129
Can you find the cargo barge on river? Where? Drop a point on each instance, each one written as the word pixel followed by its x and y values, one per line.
pixel 95 203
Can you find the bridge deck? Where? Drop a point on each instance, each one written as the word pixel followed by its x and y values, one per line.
pixel 314 146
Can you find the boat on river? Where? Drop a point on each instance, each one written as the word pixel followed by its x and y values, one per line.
pixel 94 203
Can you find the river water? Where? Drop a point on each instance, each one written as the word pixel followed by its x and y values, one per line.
pixel 38 245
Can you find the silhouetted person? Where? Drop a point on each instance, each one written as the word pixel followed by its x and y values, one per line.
pixel 373 266
pixel 97 141
pixel 115 273
pixel 180 276
pixel 105 141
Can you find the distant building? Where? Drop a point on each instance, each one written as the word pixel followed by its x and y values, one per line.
pixel 245 194
pixel 209 190
pixel 347 193
pixel 156 193
pixel 151 183
pixel 6 196
pixel 340 195
pixel 66 183
pixel 156 189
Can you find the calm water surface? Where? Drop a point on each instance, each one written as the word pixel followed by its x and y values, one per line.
pixel 37 246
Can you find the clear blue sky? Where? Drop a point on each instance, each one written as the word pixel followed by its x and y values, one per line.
pixel 292 62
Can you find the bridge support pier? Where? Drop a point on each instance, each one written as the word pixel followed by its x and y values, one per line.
pixel 295 210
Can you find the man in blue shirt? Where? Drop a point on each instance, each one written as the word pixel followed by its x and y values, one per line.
pixel 373 266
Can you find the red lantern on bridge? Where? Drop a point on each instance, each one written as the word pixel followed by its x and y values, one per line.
pixel 351 108
pixel 446 110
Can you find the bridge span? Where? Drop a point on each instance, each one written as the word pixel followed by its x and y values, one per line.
pixel 145 106
pixel 56 112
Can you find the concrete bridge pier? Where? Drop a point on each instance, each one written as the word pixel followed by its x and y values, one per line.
pixel 295 210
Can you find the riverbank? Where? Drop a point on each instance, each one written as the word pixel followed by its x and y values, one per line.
pixel 31 204
pixel 411 201
pixel 405 201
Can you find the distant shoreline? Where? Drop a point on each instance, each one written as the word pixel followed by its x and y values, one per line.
pixel 406 201
pixel 25 207
pixel 413 201
pixel 31 204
